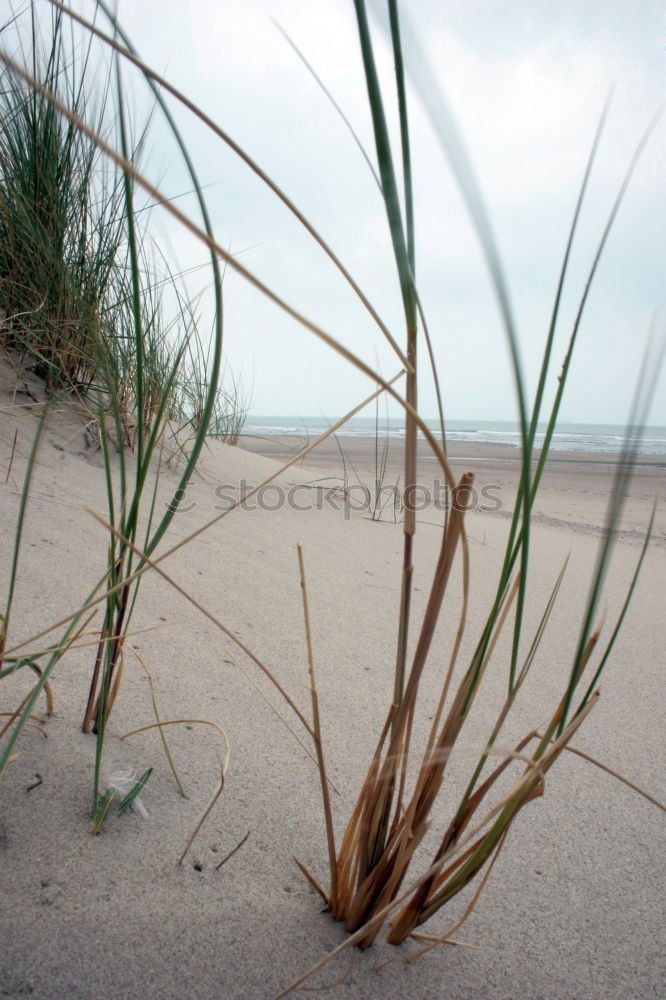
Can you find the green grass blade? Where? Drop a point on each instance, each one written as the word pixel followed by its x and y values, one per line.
pixel 101 811
pixel 139 386
pixel 132 794
pixel 18 535
pixel 386 169
pixel 404 135
pixel 625 607
pixel 647 381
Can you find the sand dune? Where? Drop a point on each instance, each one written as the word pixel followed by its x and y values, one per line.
pixel 574 907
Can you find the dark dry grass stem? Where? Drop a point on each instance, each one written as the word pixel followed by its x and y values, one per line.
pixel 316 736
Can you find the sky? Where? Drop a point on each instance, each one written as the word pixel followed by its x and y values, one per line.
pixel 526 82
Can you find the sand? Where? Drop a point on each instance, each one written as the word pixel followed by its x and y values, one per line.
pixel 575 904
pixel 573 492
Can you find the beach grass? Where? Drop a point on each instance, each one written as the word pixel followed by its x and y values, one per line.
pixel 107 343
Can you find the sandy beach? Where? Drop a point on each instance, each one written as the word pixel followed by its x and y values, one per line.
pixel 573 492
pixel 575 904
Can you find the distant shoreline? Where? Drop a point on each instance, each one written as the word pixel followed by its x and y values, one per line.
pixel 362 448
pixel 585 439
pixel 573 493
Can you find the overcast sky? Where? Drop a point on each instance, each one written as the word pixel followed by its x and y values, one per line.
pixel 526 81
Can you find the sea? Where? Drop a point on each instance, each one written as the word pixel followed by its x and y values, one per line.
pixel 595 438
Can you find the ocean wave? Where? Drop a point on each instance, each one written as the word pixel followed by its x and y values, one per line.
pixel 589 438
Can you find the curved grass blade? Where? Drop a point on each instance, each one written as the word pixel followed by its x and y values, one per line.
pixel 311 70
pixel 647 382
pixel 625 607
